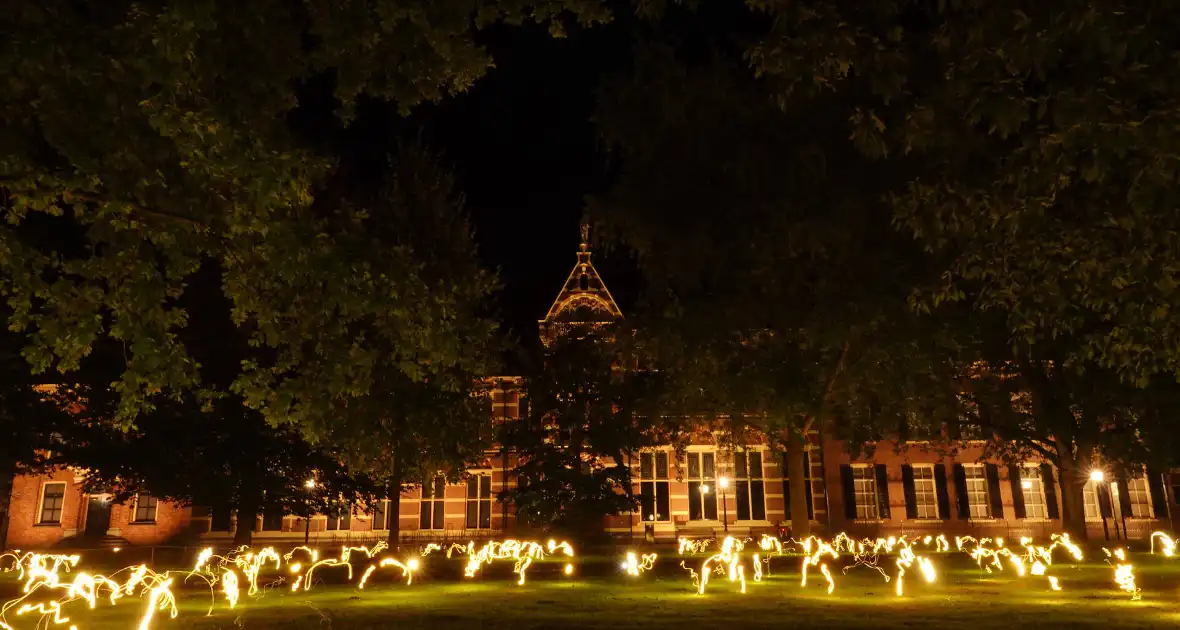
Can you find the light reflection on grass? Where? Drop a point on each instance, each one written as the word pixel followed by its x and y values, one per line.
pixel 963 597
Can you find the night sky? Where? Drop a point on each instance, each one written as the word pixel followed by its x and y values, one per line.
pixel 526 155
pixel 525 151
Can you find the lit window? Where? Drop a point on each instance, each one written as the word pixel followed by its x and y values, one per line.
pixel 145 508
pixel 431 513
pixel 479 502
pixel 53 497
pixel 925 493
pixel 977 498
pixel 702 490
pixel 751 493
pixel 864 485
pixel 1090 501
pixel 653 487
pixel 1032 486
pixel 1140 497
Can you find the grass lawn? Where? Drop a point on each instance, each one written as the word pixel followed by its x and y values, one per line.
pixel 963 597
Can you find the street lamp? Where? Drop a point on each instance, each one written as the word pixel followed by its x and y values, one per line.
pixel 309 485
pixel 1098 477
pixel 704 493
pixel 724 483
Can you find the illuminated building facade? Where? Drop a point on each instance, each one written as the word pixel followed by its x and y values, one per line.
pixel 701 491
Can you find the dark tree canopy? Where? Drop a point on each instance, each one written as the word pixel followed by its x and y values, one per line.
pixel 166 137
pixel 777 286
pixel 584 414
pixel 872 211
pixel 1039 132
pixel 221 455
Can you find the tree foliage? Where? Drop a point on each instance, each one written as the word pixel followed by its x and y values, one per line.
pixel 222 456
pixel 1034 137
pixel 32 414
pixel 584 415
pixel 1040 135
pixel 777 284
pixel 165 137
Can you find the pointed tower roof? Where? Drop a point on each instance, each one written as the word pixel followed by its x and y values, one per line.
pixel 583 300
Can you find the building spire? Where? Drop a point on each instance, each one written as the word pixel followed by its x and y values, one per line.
pixel 584 299
pixel 584 249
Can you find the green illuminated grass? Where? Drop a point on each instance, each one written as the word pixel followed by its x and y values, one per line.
pixel 964 597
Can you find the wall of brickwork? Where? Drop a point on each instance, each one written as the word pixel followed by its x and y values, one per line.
pixel 26 531
pixel 680 523
pixel 172 522
pixel 1009 525
pixel 363 526
pixel 829 509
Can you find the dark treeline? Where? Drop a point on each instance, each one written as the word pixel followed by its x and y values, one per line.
pixel 889 218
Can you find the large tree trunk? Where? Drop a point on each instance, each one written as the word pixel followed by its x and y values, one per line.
pixel 1073 512
pixel 247 515
pixel 394 490
pixel 7 473
pixel 800 523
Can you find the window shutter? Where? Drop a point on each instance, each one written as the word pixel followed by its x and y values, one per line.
pixel 961 492
pixel 849 492
pixel 1015 480
pixel 944 501
pixel 1159 494
pixel 907 487
pixel 882 492
pixel 1124 497
pixel 993 490
pixel 1050 484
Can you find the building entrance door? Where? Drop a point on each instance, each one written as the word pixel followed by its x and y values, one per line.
pixel 98 516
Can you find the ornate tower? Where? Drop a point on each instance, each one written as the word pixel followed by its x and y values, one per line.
pixel 584 300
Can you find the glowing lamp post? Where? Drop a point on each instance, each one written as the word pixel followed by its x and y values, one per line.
pixel 724 483
pixel 309 485
pixel 1098 477
pixel 704 493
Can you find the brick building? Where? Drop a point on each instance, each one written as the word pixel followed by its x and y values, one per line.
pixel 707 490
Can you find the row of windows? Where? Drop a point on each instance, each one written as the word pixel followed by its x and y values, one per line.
pixel 53 498
pixel 748 486
pixel 869 497
pixel 432 505
pixel 432 510
pixel 1138 498
pixel 748 490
